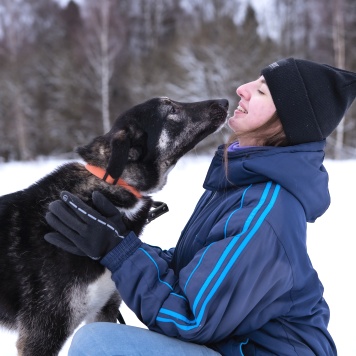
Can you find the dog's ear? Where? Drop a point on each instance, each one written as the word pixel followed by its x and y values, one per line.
pixel 96 151
pixel 120 148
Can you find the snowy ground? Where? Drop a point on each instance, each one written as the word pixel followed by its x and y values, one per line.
pixel 330 239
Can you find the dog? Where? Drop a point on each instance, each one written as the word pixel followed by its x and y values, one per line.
pixel 45 292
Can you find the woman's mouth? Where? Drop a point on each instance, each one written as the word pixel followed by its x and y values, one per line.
pixel 241 109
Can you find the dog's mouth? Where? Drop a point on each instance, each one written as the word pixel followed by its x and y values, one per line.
pixel 219 111
pixel 221 104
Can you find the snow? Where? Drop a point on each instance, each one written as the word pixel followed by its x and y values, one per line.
pixel 330 238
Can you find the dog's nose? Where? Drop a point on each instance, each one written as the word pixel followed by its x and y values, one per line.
pixel 224 103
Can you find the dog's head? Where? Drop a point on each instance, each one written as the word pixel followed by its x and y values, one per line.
pixel 147 140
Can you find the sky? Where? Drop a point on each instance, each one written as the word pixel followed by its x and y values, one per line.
pixel 331 239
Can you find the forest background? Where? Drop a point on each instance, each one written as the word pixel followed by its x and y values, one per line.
pixel 68 69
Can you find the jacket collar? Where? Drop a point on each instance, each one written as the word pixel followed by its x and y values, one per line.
pixel 298 169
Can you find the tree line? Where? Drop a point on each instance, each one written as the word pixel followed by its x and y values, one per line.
pixel 66 72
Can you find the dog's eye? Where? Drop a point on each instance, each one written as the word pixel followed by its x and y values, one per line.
pixel 173 110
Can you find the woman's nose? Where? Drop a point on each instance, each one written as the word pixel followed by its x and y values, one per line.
pixel 242 91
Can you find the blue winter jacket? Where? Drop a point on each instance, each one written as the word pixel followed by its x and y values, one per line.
pixel 239 280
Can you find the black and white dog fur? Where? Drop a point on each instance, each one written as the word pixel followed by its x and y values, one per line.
pixel 45 292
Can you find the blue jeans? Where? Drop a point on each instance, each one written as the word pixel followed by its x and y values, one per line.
pixel 109 339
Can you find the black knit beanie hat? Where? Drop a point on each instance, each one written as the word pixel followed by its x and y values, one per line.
pixel 310 98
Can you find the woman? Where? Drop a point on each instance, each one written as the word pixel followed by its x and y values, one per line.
pixel 239 281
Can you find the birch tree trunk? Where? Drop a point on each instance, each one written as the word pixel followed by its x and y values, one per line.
pixel 101 51
pixel 13 29
pixel 339 50
pixel 105 63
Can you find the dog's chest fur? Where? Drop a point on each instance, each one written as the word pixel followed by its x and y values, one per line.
pixel 86 301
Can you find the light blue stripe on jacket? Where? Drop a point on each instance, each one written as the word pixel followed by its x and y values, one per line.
pixel 223 260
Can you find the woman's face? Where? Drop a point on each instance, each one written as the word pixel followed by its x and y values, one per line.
pixel 255 109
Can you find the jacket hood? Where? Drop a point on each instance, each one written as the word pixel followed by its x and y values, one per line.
pixel 298 169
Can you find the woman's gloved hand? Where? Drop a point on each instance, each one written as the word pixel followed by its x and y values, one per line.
pixel 82 230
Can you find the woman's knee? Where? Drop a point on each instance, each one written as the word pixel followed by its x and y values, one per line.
pixel 87 339
pixel 103 338
pixel 82 333
pixel 115 339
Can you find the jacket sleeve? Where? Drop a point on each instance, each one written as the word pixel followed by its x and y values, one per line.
pixel 230 286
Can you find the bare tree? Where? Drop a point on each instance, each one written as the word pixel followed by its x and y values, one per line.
pixel 15 21
pixel 101 48
pixel 339 49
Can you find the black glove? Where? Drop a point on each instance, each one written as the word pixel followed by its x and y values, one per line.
pixel 83 231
